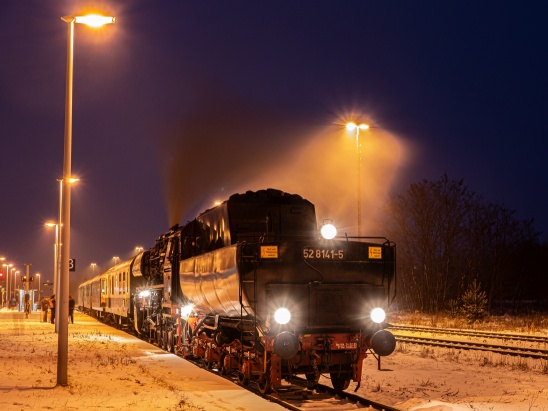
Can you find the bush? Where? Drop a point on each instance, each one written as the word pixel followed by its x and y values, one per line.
pixel 474 303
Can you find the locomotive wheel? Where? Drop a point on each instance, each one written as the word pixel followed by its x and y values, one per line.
pixel 221 368
pixel 340 381
pixel 265 384
pixel 169 342
pixel 243 379
pixel 158 337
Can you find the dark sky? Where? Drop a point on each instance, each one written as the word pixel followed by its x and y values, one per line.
pixel 181 103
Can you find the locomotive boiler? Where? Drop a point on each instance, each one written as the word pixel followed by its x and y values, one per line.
pixel 250 287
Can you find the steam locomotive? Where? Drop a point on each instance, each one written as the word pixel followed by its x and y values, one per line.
pixel 250 287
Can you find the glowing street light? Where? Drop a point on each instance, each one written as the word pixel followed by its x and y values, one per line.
pixel 116 259
pixel 62 297
pixel 139 249
pixel 352 127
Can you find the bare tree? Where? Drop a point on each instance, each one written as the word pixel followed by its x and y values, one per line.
pixel 448 237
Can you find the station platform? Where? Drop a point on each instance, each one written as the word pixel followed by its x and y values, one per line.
pixel 107 368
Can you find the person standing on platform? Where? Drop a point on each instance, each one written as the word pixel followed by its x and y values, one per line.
pixel 52 308
pixel 71 309
pixel 45 307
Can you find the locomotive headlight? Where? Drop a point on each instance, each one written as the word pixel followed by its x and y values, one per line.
pixel 186 310
pixel 328 231
pixel 378 315
pixel 282 316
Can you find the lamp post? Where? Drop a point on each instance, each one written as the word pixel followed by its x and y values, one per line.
pixel 39 296
pixel 352 127
pixel 55 256
pixel 7 281
pixel 58 246
pixel 15 287
pixel 3 295
pixel 139 249
pixel 116 259
pixel 13 282
pixel 62 297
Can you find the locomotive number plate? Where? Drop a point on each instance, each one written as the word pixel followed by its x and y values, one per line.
pixel 323 254
pixel 346 346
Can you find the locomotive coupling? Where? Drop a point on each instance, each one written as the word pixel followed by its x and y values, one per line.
pixel 383 343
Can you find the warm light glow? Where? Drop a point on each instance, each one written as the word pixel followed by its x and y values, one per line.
pixel 328 231
pixel 186 311
pixel 282 316
pixel 352 126
pixel 50 224
pixel 217 203
pixel 378 315
pixel 73 180
pixel 94 20
pixel 144 294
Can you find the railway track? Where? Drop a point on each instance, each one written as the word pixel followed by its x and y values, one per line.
pixel 296 396
pixel 468 344
pixel 473 333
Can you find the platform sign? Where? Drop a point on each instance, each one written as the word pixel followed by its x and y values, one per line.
pixel 72 264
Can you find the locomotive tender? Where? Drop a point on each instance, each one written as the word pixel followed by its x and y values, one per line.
pixel 250 287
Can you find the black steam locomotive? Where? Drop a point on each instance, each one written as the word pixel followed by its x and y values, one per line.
pixel 250 287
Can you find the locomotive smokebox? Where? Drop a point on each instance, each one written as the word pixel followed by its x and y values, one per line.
pixel 286 345
pixel 383 342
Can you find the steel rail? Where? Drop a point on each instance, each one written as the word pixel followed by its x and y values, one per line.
pixel 484 334
pixel 468 345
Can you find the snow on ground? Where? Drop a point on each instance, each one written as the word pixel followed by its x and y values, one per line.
pixel 111 369
pixel 107 369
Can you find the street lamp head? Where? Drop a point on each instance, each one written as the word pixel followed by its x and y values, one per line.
pixel 92 20
pixel 352 126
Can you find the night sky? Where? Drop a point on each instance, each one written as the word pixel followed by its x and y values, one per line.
pixel 181 103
